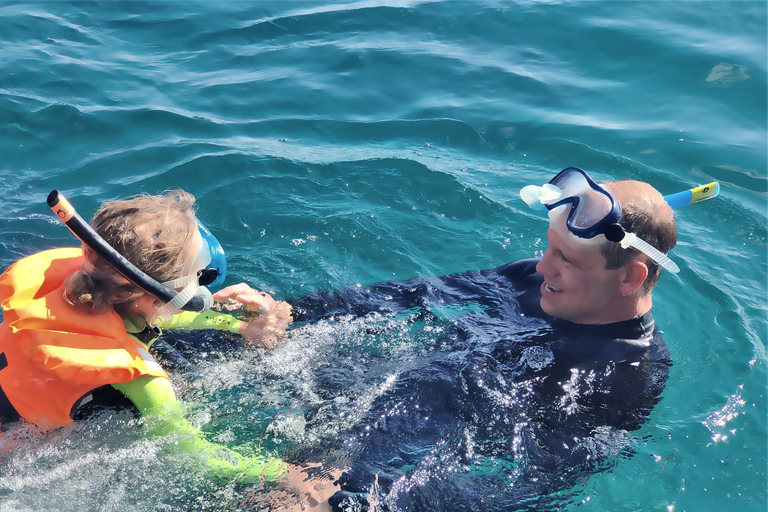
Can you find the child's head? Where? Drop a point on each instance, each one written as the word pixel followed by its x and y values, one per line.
pixel 152 232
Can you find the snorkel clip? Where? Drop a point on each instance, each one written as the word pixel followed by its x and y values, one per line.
pixel 615 233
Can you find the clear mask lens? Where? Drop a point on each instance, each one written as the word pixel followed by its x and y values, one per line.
pixel 592 207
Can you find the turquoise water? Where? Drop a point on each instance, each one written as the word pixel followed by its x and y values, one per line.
pixel 341 144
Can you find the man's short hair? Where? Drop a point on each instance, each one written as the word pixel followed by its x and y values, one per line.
pixel 652 222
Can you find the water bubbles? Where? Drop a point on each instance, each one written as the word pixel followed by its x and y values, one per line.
pixel 538 357
pixel 717 421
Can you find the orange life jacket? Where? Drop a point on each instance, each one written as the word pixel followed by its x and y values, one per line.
pixel 51 353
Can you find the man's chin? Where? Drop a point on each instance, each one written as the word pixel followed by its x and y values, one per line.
pixel 548 307
pixel 552 307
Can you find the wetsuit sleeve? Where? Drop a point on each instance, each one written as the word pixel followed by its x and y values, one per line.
pixel 156 401
pixel 147 393
pixel 518 270
pixel 416 293
pixel 189 320
pixel 392 296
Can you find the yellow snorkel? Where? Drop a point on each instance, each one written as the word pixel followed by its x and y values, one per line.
pixel 694 195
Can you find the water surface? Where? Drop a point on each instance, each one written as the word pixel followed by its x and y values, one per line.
pixel 346 143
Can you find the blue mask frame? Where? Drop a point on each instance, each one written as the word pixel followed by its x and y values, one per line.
pixel 216 271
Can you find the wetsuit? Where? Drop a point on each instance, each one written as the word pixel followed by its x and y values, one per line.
pixel 514 406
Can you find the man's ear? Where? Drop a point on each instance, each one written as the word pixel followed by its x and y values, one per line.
pixel 634 276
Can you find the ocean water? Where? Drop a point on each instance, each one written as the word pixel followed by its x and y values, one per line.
pixel 340 144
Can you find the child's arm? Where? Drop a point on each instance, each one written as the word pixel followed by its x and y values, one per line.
pixel 188 320
pixel 265 322
pixel 156 401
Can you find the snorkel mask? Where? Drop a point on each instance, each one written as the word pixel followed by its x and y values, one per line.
pixel 208 269
pixel 584 213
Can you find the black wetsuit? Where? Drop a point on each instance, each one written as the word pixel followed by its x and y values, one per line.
pixel 517 407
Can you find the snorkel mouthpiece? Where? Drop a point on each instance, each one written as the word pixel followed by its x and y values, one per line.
pixel 537 197
pixel 166 312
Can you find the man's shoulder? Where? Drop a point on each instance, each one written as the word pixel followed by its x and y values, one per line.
pixel 517 269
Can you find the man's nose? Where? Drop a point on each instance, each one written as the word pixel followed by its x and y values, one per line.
pixel 544 266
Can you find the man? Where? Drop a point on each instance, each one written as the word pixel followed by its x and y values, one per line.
pixel 537 385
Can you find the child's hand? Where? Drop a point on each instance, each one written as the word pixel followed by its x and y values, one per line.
pixel 265 318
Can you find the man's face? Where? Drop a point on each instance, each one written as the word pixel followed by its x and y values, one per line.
pixel 577 287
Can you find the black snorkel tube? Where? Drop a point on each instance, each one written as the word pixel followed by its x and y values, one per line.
pixel 82 230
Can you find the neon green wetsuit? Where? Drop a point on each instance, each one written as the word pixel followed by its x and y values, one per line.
pixel 156 400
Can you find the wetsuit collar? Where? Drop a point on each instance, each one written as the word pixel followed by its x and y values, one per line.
pixel 638 328
pixel 138 328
